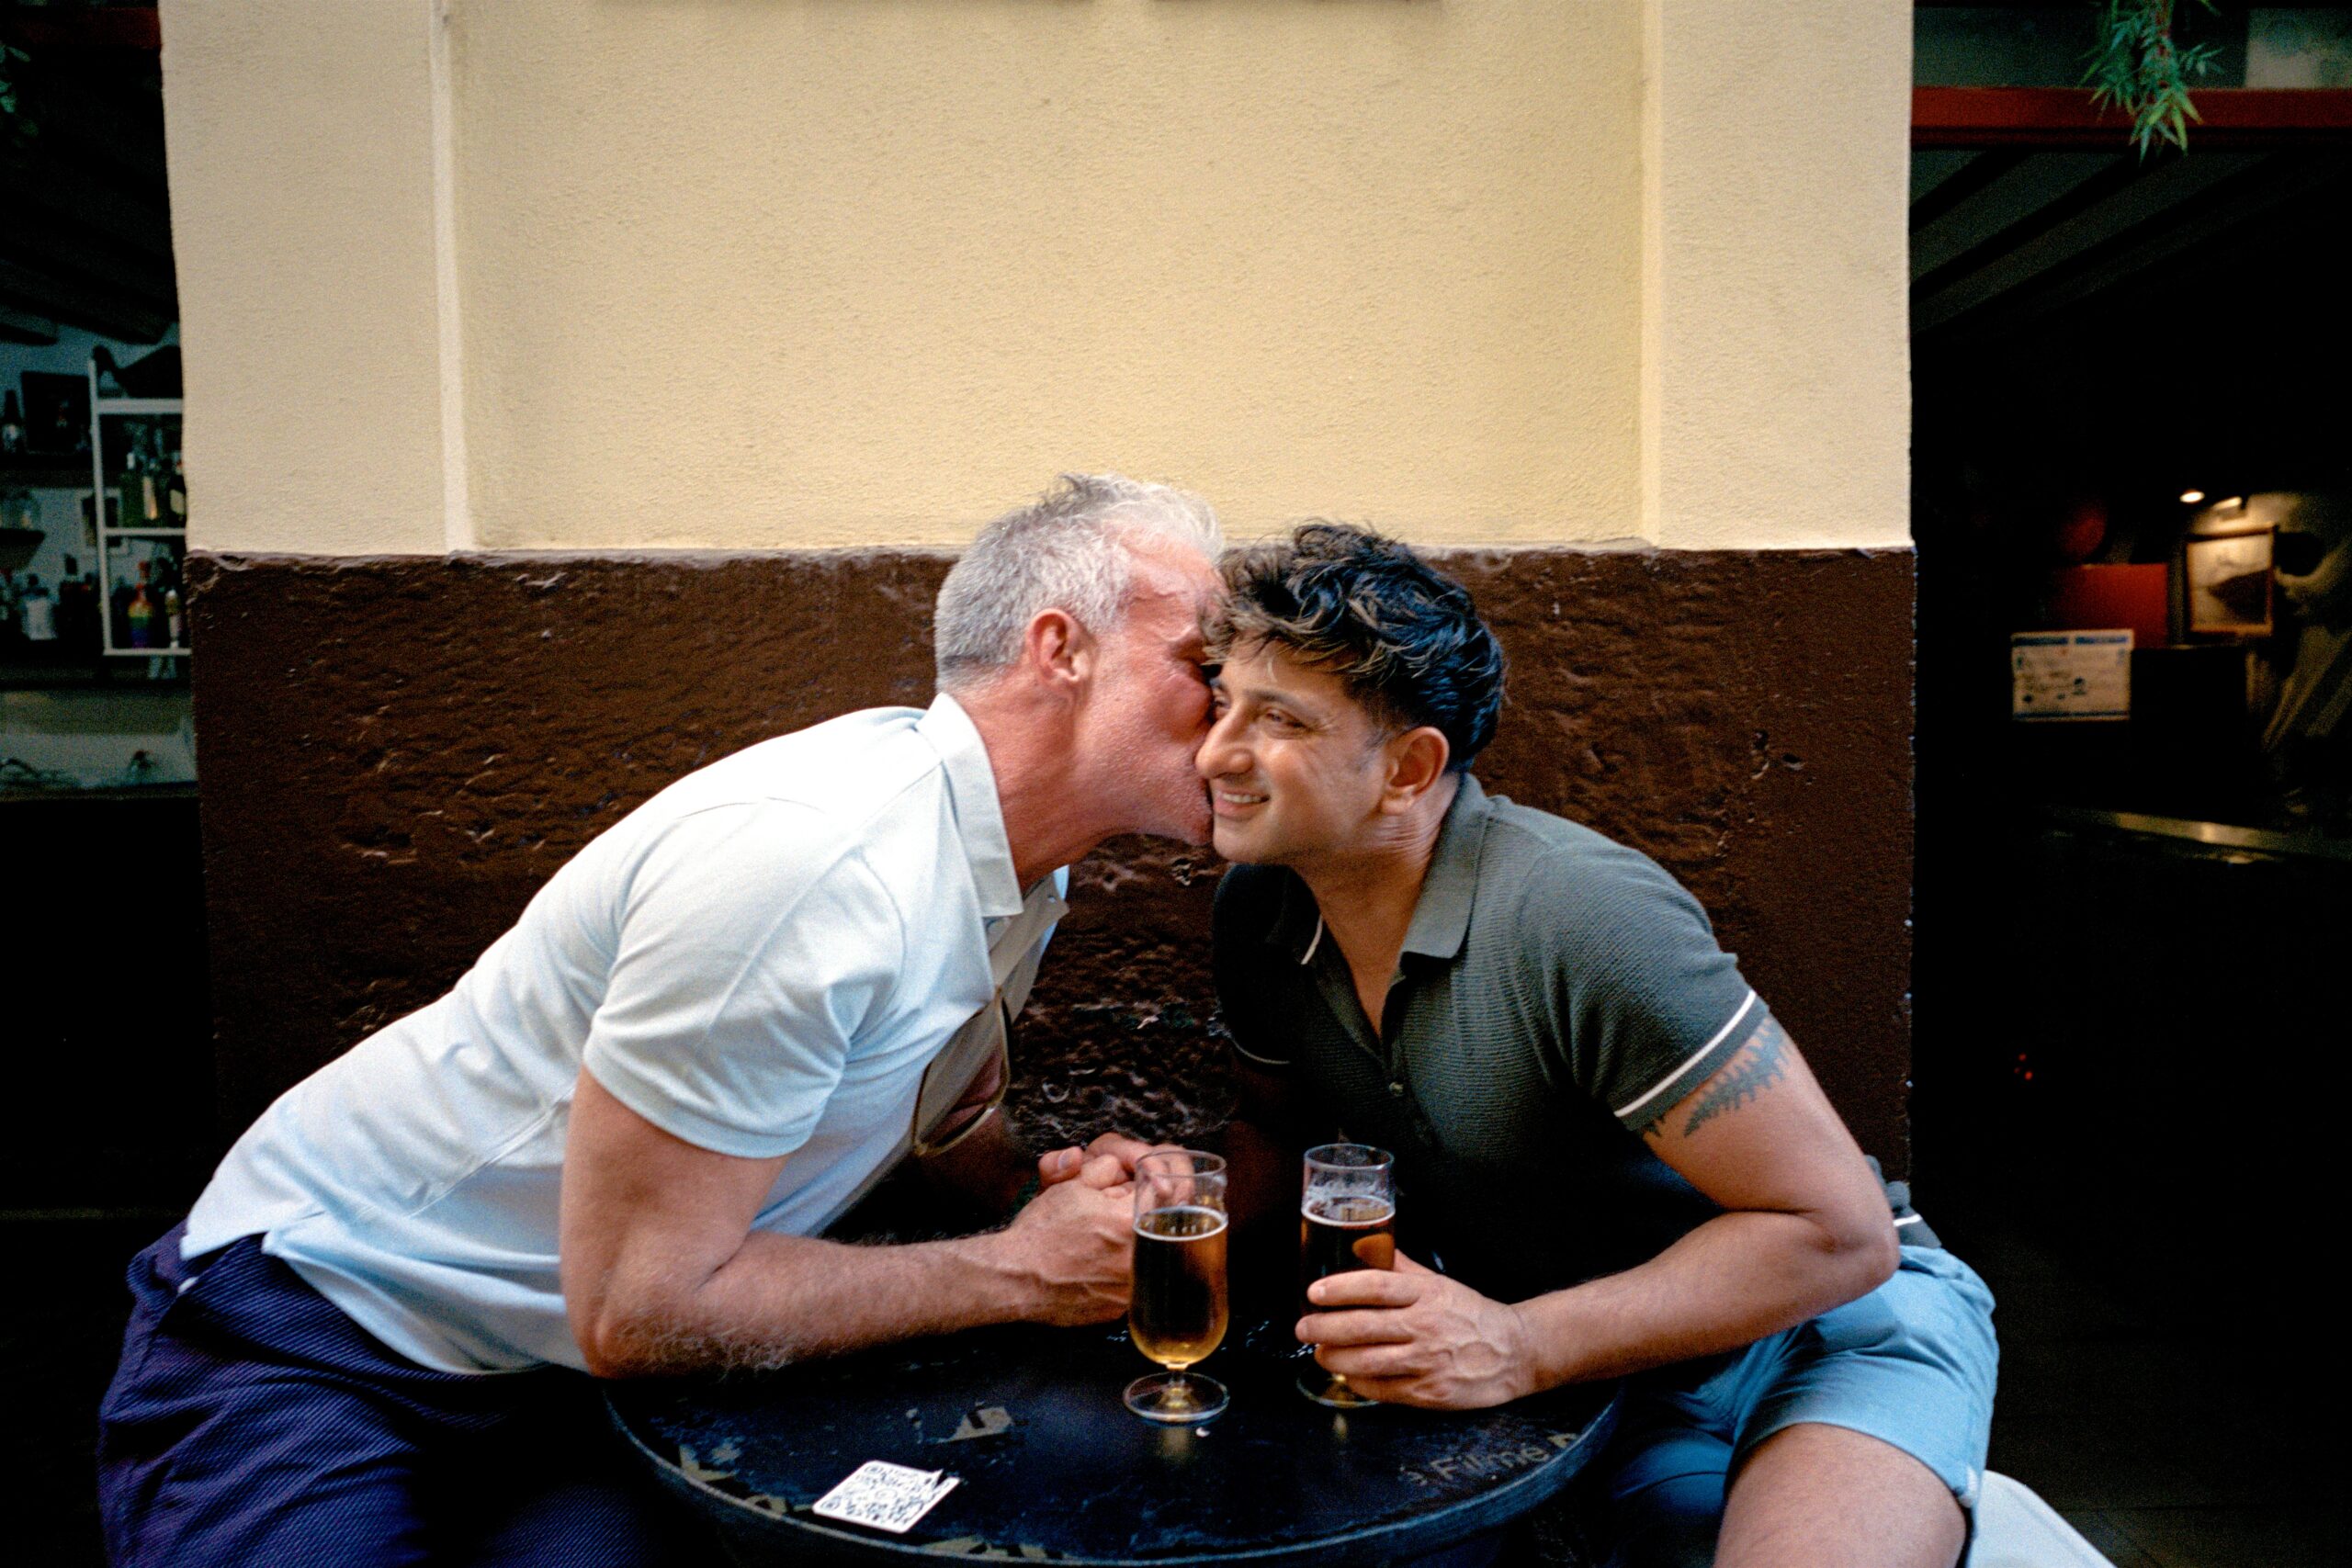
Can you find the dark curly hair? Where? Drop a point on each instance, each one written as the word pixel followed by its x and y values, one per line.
pixel 1406 640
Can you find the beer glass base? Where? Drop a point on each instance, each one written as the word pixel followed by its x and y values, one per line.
pixel 1177 1399
pixel 1330 1392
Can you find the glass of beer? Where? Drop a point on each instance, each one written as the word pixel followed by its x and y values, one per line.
pixel 1347 1218
pixel 1177 1313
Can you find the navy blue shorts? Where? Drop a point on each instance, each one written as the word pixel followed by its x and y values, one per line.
pixel 251 1421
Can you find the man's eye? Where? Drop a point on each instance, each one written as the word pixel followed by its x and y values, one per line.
pixel 1277 719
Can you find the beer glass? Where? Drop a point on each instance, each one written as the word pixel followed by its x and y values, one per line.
pixel 1177 1314
pixel 1347 1217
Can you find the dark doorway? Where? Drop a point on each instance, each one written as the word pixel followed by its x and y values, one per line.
pixel 2125 926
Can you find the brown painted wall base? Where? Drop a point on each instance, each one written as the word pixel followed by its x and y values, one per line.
pixel 396 752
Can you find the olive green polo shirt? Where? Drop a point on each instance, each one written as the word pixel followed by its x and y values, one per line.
pixel 1557 993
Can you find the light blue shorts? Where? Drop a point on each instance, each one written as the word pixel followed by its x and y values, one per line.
pixel 1911 1364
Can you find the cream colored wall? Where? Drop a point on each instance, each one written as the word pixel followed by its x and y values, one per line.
pixel 1776 365
pixel 805 273
pixel 809 273
pixel 298 138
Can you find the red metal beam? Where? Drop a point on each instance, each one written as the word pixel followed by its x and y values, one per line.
pixel 107 26
pixel 2063 117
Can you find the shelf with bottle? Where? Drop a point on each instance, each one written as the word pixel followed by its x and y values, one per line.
pixel 139 469
pixel 146 613
pixel 50 635
pixel 141 526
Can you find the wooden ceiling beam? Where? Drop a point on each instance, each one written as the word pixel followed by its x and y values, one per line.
pixel 80 304
pixel 71 251
pixel 22 326
pixel 122 215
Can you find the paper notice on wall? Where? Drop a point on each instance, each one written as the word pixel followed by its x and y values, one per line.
pixel 2055 675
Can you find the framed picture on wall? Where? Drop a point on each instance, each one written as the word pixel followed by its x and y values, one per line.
pixel 2227 583
pixel 56 413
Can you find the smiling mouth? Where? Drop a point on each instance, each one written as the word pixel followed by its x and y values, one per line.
pixel 1236 800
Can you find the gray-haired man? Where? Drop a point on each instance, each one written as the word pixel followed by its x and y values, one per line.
pixel 612 1146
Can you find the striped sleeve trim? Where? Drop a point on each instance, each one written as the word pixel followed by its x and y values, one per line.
pixel 1696 1069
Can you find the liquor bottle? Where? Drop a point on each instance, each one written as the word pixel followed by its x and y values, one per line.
pixel 77 609
pixel 176 491
pixel 150 486
pixel 142 613
pixel 12 426
pixel 94 615
pixel 126 508
pixel 37 612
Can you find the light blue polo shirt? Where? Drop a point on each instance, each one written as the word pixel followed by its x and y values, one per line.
pixel 761 959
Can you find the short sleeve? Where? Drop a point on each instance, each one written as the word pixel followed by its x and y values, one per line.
pixel 1248 903
pixel 1650 1006
pixel 749 960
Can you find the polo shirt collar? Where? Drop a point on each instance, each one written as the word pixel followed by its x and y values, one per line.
pixel 1441 915
pixel 1298 924
pixel 971 791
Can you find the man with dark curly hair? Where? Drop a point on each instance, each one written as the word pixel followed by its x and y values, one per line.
pixel 1599 1128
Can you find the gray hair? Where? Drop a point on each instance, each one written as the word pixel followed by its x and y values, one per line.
pixel 1066 550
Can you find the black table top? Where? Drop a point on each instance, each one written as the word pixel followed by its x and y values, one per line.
pixel 1054 1467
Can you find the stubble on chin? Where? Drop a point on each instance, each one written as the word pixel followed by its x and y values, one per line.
pixel 1230 845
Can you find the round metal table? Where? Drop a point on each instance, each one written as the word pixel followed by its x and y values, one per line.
pixel 1054 1468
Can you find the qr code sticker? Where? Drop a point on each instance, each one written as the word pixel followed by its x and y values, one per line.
pixel 887 1496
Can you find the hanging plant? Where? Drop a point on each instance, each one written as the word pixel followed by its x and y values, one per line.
pixel 2136 65
pixel 9 53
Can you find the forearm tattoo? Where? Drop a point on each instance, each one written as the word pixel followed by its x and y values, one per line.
pixel 1754 1068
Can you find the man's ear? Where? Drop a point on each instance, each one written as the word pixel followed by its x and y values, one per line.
pixel 1058 650
pixel 1416 760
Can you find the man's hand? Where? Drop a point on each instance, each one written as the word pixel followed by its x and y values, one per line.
pixel 1061 1165
pixel 1072 1248
pixel 664 1272
pixel 1417 1337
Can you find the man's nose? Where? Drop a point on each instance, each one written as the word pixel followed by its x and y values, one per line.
pixel 1215 757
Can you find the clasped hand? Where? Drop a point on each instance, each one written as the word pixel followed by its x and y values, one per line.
pixel 1074 1243
pixel 1413 1336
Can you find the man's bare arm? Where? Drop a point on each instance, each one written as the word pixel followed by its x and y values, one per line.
pixel 663 1272
pixel 1805 1228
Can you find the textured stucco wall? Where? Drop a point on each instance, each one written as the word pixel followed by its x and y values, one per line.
pixel 399 752
pixel 801 272
pixel 299 139
pixel 1776 389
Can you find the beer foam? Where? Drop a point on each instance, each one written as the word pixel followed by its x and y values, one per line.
pixel 1187 1233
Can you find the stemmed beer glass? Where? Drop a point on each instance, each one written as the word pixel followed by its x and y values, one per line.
pixel 1177 1314
pixel 1347 1217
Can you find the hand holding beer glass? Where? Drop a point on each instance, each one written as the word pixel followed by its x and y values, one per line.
pixel 1347 1217
pixel 1177 1314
